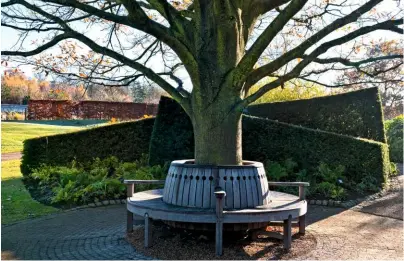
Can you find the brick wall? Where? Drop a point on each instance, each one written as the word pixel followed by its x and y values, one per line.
pixel 65 109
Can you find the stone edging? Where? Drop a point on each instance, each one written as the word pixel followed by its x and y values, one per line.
pixel 98 204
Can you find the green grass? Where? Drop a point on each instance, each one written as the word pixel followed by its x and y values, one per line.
pixel 16 202
pixel 13 134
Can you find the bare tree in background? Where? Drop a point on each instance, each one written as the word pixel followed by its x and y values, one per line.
pixel 223 46
pixel 387 75
pixel 146 93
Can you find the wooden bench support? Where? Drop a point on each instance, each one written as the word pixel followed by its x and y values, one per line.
pixel 287 233
pixel 302 225
pixel 148 231
pixel 130 189
pixel 220 194
pixel 302 196
pixel 129 221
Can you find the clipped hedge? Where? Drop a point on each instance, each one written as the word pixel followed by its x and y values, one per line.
pixel 172 136
pixel 265 139
pixel 357 114
pixel 126 141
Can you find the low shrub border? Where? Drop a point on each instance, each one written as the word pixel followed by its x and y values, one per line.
pixel 96 181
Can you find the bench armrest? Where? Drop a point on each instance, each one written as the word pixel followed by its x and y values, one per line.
pixel 302 187
pixel 130 184
pixel 146 182
pixel 289 184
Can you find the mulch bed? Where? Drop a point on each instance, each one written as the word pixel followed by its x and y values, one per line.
pixel 180 244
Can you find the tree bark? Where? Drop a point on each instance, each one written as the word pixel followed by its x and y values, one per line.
pixel 218 139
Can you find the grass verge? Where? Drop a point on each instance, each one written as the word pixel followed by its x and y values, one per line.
pixel 16 203
pixel 13 134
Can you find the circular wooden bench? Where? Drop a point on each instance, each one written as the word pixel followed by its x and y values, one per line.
pixel 283 207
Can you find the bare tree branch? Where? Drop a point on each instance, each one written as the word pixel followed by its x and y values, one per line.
pixel 347 62
pixel 41 48
pixel 387 25
pixel 298 51
pixel 252 55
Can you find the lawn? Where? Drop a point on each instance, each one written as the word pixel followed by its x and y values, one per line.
pixel 16 202
pixel 13 134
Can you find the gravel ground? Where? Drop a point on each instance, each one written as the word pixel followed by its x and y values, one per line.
pixel 202 247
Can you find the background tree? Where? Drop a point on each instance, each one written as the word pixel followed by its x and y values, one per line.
pixel 223 47
pixel 16 87
pixel 107 93
pixel 146 93
pixel 387 75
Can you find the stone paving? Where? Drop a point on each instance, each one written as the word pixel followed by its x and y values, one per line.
pixel 93 233
pixel 11 156
pixel 98 233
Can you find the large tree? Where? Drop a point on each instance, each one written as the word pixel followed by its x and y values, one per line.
pixel 223 46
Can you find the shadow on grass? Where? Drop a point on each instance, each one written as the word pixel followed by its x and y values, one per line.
pixel 17 203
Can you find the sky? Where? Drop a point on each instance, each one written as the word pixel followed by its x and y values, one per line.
pixel 10 36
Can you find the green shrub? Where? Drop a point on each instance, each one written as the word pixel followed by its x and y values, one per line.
pixel 357 114
pixel 283 171
pixel 325 181
pixel 328 190
pixel 84 183
pixel 126 141
pixel 394 131
pixel 332 175
pixel 329 182
pixel 366 185
pixel 393 169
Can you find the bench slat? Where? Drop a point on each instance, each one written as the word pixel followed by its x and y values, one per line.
pixel 148 182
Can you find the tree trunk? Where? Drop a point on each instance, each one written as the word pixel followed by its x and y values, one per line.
pixel 218 141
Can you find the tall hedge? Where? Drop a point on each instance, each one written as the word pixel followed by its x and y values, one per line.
pixel 127 141
pixel 265 139
pixel 357 114
pixel 172 136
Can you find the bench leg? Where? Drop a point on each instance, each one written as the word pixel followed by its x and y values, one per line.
pixel 287 233
pixel 148 233
pixel 129 221
pixel 302 225
pixel 219 238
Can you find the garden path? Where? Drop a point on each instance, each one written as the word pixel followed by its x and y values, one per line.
pixel 11 156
